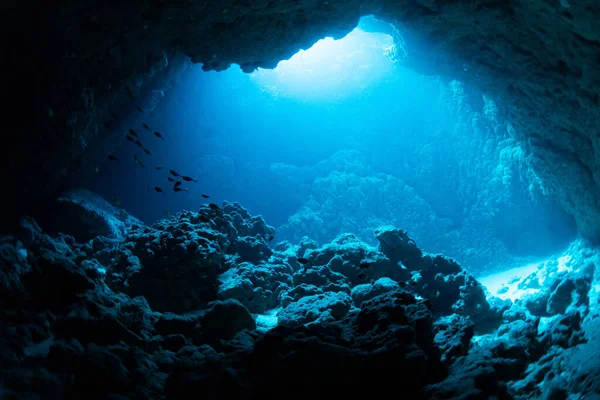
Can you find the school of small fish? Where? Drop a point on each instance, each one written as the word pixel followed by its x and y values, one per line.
pixel 135 138
pixel 173 177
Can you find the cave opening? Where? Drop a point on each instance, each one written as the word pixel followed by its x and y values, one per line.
pixel 331 71
pixel 410 206
pixel 342 138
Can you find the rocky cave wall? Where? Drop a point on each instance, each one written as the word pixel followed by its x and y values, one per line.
pixel 205 303
pixel 462 187
pixel 540 60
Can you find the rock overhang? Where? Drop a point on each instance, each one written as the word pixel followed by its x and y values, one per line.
pixel 538 60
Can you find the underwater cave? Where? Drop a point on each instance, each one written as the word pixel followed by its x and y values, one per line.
pixel 303 199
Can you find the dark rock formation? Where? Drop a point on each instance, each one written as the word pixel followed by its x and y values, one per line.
pixel 329 306
pixel 84 215
pixel 471 377
pixel 562 292
pixel 399 248
pixel 362 293
pixel 390 341
pixel 165 312
pixel 453 336
pixel 256 286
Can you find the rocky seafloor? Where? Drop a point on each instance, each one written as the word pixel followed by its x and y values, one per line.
pixel 98 305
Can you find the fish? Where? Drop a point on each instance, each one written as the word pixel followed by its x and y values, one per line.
pixel 214 207
pixel 133 133
pixel 139 109
pixel 157 189
pixel 147 152
pixel 138 161
pixel 96 168
pixel 108 126
pixel 174 173
pixel 204 218
pixel 112 158
pixel 170 179
pixel 158 135
pixel 115 116
pixel 139 144
pixel 361 276
pixel 364 265
pixel 188 179
pixel 178 183
pixel 303 260
pixel 271 238
pixel 130 138
pixel 158 168
pixel 146 126
pixel 206 196
pixel 177 189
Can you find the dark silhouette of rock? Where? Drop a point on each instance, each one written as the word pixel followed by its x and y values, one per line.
pixel 71 327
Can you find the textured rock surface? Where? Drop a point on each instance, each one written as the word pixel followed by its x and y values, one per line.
pixel 85 215
pixel 321 307
pixel 498 212
pixel 534 59
pixel 169 311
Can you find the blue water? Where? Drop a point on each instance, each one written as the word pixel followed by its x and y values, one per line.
pixel 337 139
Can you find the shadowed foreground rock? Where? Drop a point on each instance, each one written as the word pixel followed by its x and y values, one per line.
pixel 158 314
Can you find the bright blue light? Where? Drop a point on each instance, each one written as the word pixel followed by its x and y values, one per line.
pixel 331 69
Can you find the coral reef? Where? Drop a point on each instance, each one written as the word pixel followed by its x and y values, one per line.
pixel 181 309
pixel 486 221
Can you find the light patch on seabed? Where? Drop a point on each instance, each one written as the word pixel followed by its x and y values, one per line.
pixel 563 263
pixel 267 321
pixel 510 279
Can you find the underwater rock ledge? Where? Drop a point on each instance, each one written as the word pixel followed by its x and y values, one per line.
pixel 204 304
